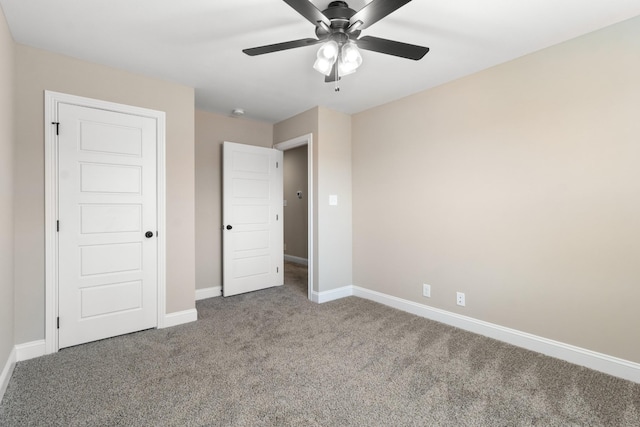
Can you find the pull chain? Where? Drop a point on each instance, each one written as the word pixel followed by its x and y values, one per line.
pixel 336 76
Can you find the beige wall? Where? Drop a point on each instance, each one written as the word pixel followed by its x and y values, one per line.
pixel 331 175
pixel 519 186
pixel 6 192
pixel 296 226
pixel 335 222
pixel 211 130
pixel 293 127
pixel 38 70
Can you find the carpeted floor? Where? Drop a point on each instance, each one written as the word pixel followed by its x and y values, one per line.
pixel 273 358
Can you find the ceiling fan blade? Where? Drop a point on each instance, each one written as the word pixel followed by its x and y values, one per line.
pixel 390 47
pixel 375 11
pixel 261 50
pixel 309 11
pixel 332 77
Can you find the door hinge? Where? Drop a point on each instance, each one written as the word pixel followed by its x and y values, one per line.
pixel 277 269
pixel 57 127
pixel 58 225
pixel 277 217
pixel 276 165
pixel 58 322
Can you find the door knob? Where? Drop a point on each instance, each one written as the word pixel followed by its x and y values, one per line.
pixel 148 234
pixel 229 227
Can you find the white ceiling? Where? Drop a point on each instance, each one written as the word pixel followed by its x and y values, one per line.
pixel 199 43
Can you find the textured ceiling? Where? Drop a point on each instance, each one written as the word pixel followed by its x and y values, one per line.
pixel 199 43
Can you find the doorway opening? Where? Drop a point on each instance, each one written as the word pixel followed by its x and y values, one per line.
pixel 300 194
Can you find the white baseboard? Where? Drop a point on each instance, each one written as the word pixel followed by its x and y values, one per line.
pixel 296 260
pixel 7 370
pixel 204 293
pixel 180 318
pixel 19 353
pixel 30 350
pixel 597 361
pixel 332 294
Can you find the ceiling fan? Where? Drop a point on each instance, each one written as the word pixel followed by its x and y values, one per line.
pixel 338 28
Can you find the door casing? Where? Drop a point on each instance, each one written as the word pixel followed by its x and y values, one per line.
pixel 51 102
pixel 288 145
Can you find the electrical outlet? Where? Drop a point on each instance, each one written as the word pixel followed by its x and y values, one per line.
pixel 426 290
pixel 460 298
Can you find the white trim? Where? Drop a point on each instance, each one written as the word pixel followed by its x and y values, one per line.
pixel 296 259
pixel 294 142
pixel 288 145
pixel 51 207
pixel 600 362
pixel 51 101
pixel 30 350
pixel 332 294
pixel 204 293
pixel 161 204
pixel 180 318
pixel 7 371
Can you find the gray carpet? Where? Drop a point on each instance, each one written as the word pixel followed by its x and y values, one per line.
pixel 272 358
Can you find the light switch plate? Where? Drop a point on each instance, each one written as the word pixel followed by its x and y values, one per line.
pixel 333 200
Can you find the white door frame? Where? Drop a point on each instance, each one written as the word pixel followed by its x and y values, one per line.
pixel 51 101
pixel 288 145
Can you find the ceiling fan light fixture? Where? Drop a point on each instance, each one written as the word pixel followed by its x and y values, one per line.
pixel 351 53
pixel 329 50
pixel 345 69
pixel 350 59
pixel 327 56
pixel 323 66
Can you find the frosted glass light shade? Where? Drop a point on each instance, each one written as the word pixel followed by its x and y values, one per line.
pixel 323 65
pixel 329 50
pixel 327 55
pixel 350 59
pixel 351 53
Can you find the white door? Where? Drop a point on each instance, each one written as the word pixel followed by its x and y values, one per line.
pixel 253 235
pixel 107 213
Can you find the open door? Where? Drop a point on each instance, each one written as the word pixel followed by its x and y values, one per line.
pixel 252 230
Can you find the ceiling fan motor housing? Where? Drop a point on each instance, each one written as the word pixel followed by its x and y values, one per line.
pixel 339 13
